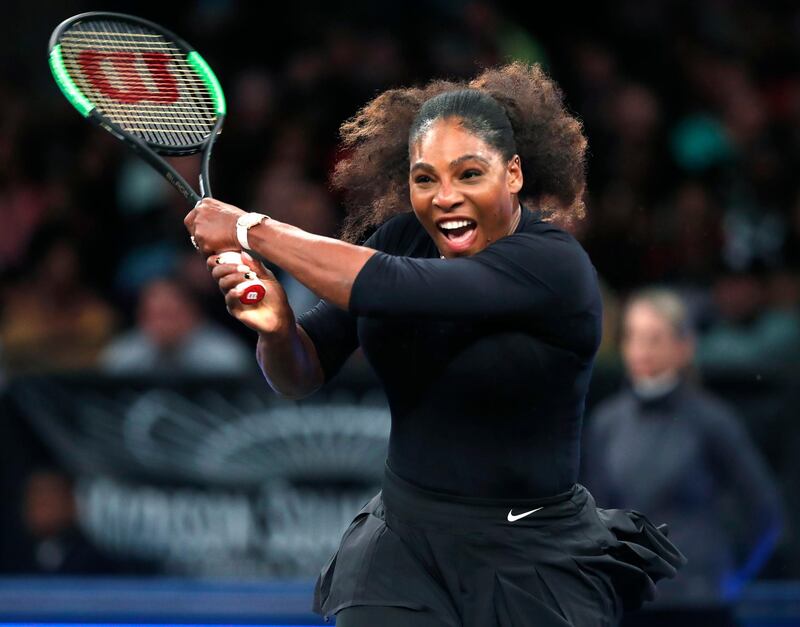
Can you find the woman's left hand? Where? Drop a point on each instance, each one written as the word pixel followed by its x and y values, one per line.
pixel 212 224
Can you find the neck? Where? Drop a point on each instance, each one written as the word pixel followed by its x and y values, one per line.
pixel 516 219
pixel 657 386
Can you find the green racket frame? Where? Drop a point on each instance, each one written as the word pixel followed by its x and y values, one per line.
pixel 149 151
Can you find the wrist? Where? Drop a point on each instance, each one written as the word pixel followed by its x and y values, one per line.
pixel 277 330
pixel 243 225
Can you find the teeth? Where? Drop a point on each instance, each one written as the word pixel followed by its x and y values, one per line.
pixel 455 224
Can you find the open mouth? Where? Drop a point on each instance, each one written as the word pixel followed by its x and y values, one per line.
pixel 459 233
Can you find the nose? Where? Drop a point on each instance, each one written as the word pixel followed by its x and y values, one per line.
pixel 447 196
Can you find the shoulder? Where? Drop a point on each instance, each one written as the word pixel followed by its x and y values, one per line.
pixel 712 413
pixel 131 340
pixel 549 256
pixel 703 400
pixel 212 336
pixel 129 351
pixel 554 238
pixel 714 420
pixel 214 348
pixel 536 239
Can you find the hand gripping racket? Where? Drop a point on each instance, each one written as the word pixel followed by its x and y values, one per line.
pixel 146 87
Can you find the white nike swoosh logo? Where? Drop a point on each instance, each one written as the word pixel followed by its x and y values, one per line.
pixel 512 517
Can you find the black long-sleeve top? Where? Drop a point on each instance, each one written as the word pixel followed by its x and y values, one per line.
pixel 485 360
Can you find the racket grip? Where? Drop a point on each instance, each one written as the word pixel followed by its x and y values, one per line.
pixel 253 291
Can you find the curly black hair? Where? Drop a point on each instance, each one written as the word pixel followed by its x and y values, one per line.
pixel 548 139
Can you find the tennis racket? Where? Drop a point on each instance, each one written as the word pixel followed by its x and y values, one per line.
pixel 148 88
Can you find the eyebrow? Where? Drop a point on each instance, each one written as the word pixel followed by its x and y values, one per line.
pixel 427 166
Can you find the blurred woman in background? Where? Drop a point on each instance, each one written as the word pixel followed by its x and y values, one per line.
pixel 670 448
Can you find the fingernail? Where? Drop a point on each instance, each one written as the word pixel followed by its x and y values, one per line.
pixel 243 268
pixel 230 257
pixel 247 256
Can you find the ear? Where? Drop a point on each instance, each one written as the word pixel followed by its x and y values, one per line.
pixel 514 175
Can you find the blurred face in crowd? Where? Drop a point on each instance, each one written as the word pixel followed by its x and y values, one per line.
pixel 651 346
pixel 462 190
pixel 166 315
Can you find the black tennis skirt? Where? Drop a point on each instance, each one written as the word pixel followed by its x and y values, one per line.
pixel 476 562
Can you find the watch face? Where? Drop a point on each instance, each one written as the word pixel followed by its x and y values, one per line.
pixel 250 219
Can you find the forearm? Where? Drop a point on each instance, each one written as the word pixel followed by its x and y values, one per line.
pixel 289 362
pixel 326 266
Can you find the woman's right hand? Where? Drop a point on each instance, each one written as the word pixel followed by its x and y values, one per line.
pixel 270 316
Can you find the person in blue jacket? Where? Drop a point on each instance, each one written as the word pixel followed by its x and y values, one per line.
pixel 696 467
pixel 481 318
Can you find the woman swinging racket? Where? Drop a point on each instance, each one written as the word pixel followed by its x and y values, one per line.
pixel 482 320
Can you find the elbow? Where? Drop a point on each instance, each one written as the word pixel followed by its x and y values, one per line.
pixel 302 388
pixel 295 395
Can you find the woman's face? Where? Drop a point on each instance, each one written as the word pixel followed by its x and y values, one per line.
pixel 650 345
pixel 462 190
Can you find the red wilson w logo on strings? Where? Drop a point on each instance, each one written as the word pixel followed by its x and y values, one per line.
pixel 130 77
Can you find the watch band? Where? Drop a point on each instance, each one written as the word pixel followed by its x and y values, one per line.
pixel 244 224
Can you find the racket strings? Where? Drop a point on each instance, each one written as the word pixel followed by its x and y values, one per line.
pixel 192 115
pixel 141 81
pixel 130 77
